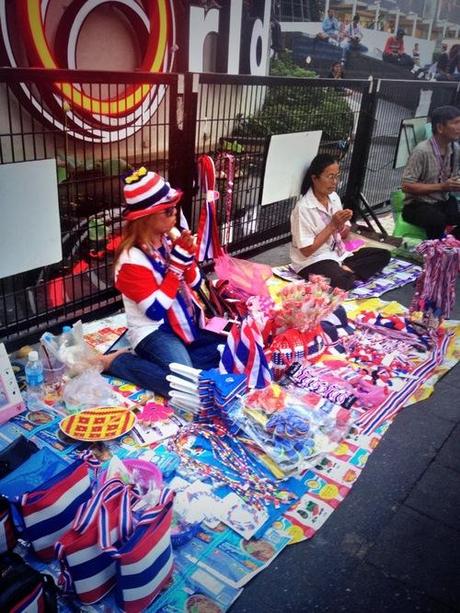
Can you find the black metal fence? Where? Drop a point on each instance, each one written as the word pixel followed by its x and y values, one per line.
pixel 174 119
pixel 394 102
pixel 91 146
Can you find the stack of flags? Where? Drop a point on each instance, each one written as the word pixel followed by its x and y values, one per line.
pixel 205 394
pixel 244 354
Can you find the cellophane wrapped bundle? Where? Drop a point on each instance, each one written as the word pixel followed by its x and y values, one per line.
pixel 296 321
pixel 305 303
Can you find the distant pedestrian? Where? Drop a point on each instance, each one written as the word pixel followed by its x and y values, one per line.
pixel 352 39
pixel 442 64
pixel 330 28
pixel 336 71
pixel 394 51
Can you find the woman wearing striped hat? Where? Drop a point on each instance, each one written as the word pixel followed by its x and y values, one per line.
pixel 157 278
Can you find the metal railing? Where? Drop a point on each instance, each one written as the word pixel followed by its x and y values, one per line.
pixel 174 119
pixel 91 148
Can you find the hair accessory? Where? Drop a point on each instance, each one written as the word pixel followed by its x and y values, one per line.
pixel 147 192
pixel 135 175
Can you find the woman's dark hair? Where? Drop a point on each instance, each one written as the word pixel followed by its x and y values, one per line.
pixel 318 164
pixel 442 115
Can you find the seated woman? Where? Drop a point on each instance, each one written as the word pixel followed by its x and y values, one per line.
pixel 318 227
pixel 157 278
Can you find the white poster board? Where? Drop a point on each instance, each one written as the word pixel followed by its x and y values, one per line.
pixel 30 230
pixel 288 158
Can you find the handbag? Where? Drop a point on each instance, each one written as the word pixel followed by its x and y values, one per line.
pixel 37 469
pixel 103 521
pixel 49 510
pixel 145 562
pixel 24 589
pixel 16 454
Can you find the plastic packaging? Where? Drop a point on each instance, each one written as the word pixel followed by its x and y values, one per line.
pixel 244 277
pixel 71 349
pixel 35 382
pixel 89 389
pixel 66 339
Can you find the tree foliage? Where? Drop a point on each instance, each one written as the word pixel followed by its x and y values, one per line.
pixel 297 108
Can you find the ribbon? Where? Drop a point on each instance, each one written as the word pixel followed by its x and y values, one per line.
pixel 136 175
pixel 208 242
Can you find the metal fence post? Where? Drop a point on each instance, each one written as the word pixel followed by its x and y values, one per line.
pixel 361 148
pixel 183 116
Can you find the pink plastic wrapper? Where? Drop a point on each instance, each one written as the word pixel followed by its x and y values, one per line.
pixel 244 277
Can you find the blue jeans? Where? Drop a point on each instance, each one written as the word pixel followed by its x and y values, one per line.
pixel 149 365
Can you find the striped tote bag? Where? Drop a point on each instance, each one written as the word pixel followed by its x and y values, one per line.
pixel 84 552
pixel 49 511
pixel 145 562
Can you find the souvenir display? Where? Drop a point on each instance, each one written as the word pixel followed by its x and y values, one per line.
pixel 290 430
pixel 435 290
pixel 176 503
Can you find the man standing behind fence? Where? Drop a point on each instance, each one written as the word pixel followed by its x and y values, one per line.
pixel 431 178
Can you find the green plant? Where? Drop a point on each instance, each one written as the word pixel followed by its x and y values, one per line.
pixel 296 108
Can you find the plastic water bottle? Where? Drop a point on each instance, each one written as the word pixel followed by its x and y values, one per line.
pixel 35 382
pixel 67 336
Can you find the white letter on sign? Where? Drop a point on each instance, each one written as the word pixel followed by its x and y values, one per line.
pixel 234 39
pixel 201 25
pixel 260 31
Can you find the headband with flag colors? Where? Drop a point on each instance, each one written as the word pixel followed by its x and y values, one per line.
pixel 244 354
pixel 208 242
pixel 146 192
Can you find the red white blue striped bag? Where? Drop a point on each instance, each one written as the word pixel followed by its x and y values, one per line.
pixel 31 603
pixel 145 562
pixel 101 523
pixel 49 511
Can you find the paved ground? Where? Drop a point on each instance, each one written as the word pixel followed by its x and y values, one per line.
pixel 393 545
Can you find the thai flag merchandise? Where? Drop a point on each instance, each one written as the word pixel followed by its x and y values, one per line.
pixel 107 549
pixel 48 511
pixel 145 562
pixel 101 543
pixel 102 521
pixel 244 353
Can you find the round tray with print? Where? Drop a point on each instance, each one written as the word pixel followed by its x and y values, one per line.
pixel 98 424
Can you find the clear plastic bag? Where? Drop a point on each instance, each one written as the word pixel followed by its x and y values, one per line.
pixel 72 350
pixel 86 390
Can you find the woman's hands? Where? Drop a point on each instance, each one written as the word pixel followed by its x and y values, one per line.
pixel 339 219
pixel 182 253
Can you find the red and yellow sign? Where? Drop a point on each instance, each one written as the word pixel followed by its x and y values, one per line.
pixel 85 114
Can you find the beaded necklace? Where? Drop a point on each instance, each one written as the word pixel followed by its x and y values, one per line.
pixel 238 470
